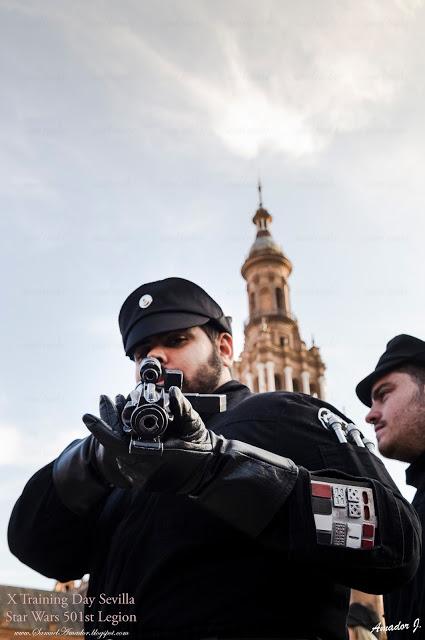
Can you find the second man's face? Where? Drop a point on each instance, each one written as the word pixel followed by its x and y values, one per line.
pixel 189 350
pixel 398 415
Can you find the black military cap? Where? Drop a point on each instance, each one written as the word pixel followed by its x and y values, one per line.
pixel 402 349
pixel 167 305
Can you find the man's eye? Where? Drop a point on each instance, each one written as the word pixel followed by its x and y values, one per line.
pixel 175 341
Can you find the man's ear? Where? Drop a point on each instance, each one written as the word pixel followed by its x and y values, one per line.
pixel 225 348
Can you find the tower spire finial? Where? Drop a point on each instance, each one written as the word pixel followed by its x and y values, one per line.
pixel 260 196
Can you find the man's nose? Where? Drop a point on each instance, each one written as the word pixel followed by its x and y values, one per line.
pixel 373 415
pixel 158 352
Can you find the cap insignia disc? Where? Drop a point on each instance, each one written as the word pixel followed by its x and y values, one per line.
pixel 145 301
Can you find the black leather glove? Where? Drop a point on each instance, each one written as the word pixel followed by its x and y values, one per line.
pixel 240 483
pixel 85 471
pixel 176 468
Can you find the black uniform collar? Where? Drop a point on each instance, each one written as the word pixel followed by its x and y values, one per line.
pixel 235 392
pixel 415 473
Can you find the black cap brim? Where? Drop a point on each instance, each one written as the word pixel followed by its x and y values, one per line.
pixel 365 386
pixel 160 323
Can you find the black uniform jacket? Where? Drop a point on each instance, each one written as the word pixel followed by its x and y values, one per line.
pixel 191 574
pixel 406 606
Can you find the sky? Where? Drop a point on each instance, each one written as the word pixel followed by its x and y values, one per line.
pixel 132 137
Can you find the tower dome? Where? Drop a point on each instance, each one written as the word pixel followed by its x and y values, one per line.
pixel 264 243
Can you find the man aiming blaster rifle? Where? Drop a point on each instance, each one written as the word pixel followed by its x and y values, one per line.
pixel 239 522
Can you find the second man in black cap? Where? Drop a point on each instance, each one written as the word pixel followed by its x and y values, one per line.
pixel 395 393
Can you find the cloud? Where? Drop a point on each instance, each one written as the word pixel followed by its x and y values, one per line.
pixel 281 78
pixel 325 79
pixel 11 441
pixel 20 448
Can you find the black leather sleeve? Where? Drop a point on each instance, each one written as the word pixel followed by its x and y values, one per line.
pixel 46 535
pixel 84 474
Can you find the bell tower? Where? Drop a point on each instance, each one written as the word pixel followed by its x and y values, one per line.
pixel 274 356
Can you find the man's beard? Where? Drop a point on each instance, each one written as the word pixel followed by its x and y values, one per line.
pixel 411 442
pixel 207 377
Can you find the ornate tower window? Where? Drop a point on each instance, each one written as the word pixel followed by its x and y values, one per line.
pixel 279 299
pixel 252 302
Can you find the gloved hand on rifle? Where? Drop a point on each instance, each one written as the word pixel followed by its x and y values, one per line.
pixel 174 469
pixel 240 483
